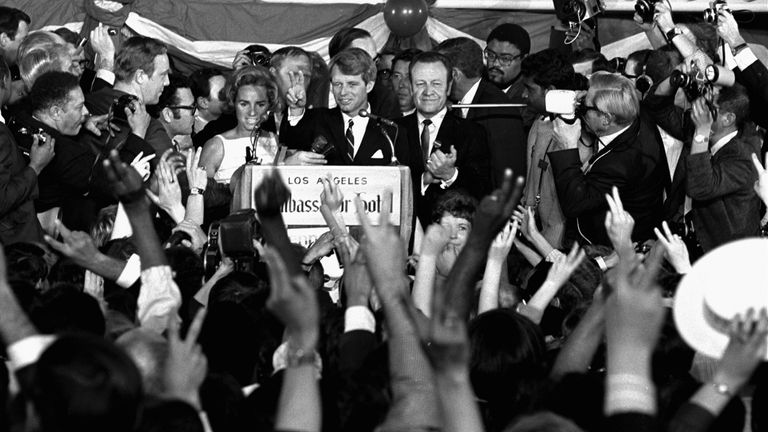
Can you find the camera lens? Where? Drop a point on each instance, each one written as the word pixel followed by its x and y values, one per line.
pixel 678 79
pixel 710 15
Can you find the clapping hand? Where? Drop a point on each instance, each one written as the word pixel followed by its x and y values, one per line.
pixel 674 248
pixel 618 223
pixel 186 365
pixel 442 165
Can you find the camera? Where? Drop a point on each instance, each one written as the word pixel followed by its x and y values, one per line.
pixel 646 9
pixel 117 110
pixel 25 136
pixel 233 237
pixel 579 10
pixel 692 85
pixel 258 55
pixel 618 64
pixel 562 103
pixel 710 13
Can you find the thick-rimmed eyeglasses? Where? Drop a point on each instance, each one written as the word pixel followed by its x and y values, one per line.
pixel 192 108
pixel 504 59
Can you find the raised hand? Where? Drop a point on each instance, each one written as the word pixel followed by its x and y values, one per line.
pixel 525 218
pixel 674 249
pixel 75 245
pixel 103 46
pixel 745 350
pixel 196 174
pixel 761 185
pixel 322 246
pixel 124 180
pixel 296 96
pixel 357 281
pixel 331 195
pixel 293 301
pixel 382 247
pixel 186 365
pixel 197 236
pixel 701 117
pixel 663 16
pixel 566 136
pixel 241 60
pixel 564 266
pixel 168 195
pixel 495 209
pixel 442 165
pixel 728 29
pixel 435 240
pixel 271 194
pixel 141 164
pixel 618 223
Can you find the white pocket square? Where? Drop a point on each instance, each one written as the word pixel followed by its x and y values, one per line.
pixel 378 155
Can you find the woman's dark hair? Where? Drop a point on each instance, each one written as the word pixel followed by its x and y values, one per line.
pixel 344 38
pixel 66 308
pixel 507 365
pixel 456 203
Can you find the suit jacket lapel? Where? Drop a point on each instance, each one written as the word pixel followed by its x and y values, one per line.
pixel 337 129
pixel 372 142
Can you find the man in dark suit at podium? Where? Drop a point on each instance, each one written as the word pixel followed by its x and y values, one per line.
pixel 343 135
pixel 447 152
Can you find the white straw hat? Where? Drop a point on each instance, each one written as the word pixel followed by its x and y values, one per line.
pixel 724 282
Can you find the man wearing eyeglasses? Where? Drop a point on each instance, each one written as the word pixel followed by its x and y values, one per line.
pixel 176 111
pixel 508 44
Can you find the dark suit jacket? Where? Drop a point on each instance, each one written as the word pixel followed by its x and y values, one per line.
pixel 99 103
pixel 754 78
pixel 469 142
pixel 725 206
pixel 384 102
pixel 18 189
pixel 634 162
pixel 329 123
pixel 504 127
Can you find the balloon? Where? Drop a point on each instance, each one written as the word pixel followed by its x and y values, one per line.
pixel 405 17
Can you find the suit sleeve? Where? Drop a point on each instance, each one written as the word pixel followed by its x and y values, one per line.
pixel 298 137
pixel 579 192
pixel 15 188
pixel 676 121
pixel 754 77
pixel 474 169
pixel 707 180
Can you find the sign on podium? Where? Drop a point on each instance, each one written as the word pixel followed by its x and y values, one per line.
pixel 301 213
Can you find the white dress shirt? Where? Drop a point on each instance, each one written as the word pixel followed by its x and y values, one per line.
pixel 437 121
pixel 359 124
pixel 469 96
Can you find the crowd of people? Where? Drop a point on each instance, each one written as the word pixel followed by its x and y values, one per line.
pixel 536 293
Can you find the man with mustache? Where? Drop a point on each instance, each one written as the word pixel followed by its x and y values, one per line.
pixel 507 46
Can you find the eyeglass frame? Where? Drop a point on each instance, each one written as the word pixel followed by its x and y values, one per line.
pixel 491 56
pixel 192 107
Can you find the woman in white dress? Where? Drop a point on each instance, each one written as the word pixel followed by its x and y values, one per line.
pixel 252 94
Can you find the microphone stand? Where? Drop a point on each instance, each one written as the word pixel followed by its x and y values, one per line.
pixel 394 161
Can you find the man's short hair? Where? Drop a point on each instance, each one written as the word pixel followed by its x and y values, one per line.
pixel 10 19
pixel 615 95
pixel 734 99
pixel 52 89
pixel 257 76
pixel 406 55
pixel 5 73
pixel 344 38
pixel 39 40
pixel 136 53
pixel 170 96
pixel 661 63
pixel 86 383
pixel 68 35
pixel 458 204
pixel 549 68
pixel 465 55
pixel 513 34
pixel 432 57
pixel 200 81
pixel 36 62
pixel 355 61
pixel 290 51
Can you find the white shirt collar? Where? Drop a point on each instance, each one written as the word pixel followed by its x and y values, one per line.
pixel 2 119
pixel 436 119
pixel 356 118
pixel 469 96
pixel 722 142
pixel 409 112
pixel 607 139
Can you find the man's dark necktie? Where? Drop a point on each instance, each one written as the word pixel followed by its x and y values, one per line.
pixel 425 139
pixel 350 141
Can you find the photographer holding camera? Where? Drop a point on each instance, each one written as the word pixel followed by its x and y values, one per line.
pixel 629 155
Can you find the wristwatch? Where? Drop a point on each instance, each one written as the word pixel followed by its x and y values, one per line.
pixel 674 31
pixel 196 191
pixel 723 389
pixel 299 357
pixel 699 138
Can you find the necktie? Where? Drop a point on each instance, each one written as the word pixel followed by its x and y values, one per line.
pixel 425 139
pixel 350 141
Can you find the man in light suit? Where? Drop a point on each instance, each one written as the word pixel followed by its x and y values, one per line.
pixel 351 139
pixel 446 151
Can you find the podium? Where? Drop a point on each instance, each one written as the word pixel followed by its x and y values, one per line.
pixel 301 213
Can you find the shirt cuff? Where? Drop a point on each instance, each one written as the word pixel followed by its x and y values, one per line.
pixel 629 393
pixel 423 186
pixel 280 361
pixel 359 318
pixel 745 58
pixel 159 297
pixel 293 120
pixel 131 272
pixel 445 184
pixel 106 75
pixel 28 350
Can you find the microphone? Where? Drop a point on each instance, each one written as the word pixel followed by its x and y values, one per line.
pixel 386 121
